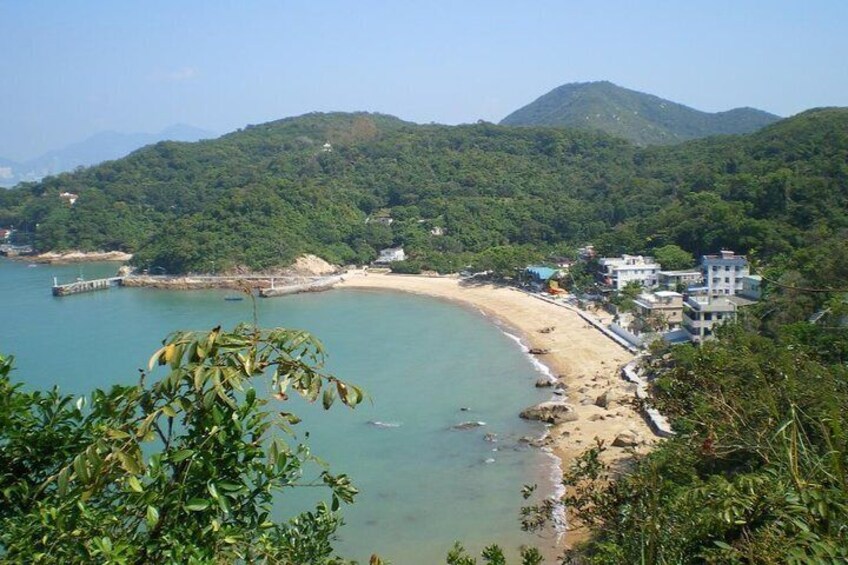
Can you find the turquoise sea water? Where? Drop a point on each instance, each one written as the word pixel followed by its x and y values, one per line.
pixel 422 484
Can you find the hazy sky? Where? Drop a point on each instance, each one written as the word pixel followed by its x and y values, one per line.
pixel 71 68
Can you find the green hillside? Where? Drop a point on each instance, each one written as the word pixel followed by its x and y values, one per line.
pixel 756 471
pixel 261 196
pixel 641 118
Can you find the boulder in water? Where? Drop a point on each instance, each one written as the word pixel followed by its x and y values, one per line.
pixel 467 425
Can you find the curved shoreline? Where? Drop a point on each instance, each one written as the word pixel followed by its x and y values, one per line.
pixel 581 359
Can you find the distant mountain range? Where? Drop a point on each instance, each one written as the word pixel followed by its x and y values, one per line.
pixel 641 118
pixel 102 146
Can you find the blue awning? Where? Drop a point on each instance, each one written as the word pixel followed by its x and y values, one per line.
pixel 540 273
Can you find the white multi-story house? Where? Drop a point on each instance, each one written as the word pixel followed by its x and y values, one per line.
pixel 701 314
pixel 618 271
pixel 723 273
pixel 672 280
pixel 390 255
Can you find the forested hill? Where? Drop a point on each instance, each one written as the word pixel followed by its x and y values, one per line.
pixel 260 196
pixel 641 118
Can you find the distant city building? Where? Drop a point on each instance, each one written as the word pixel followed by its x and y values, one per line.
pixel 618 271
pixel 701 315
pixel 390 255
pixel 723 273
pixel 69 197
pixel 672 280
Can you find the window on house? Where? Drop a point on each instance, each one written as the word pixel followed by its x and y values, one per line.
pixel 727 279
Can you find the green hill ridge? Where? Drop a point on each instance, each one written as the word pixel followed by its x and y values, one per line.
pixel 261 196
pixel 641 118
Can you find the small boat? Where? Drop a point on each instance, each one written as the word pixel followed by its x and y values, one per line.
pixel 233 298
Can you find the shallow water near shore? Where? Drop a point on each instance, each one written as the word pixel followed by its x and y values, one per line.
pixel 423 485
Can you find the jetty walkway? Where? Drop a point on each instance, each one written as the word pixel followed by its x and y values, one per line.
pixel 78 287
pixel 267 285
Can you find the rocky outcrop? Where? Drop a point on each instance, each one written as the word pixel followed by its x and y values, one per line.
pixel 609 399
pixel 551 412
pixel 79 256
pixel 627 438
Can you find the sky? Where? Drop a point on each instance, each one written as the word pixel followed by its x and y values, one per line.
pixel 72 68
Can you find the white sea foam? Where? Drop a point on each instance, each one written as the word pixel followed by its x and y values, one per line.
pixel 379 424
pixel 538 365
pixel 558 514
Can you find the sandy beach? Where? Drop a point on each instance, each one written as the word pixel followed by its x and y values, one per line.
pixel 584 361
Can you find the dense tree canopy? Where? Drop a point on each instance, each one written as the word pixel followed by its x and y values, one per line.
pixel 260 196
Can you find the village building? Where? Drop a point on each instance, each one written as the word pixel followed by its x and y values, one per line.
pixel 327 148
pixel 390 255
pixel 5 234
pixel 723 273
pixel 751 287
pixel 662 310
pixel 617 272
pixel 69 197
pixel 675 280
pixel 586 253
pixel 701 315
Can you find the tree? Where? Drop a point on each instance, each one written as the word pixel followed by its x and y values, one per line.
pixel 673 257
pixel 181 470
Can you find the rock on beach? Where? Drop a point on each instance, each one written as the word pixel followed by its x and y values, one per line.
pixel 551 412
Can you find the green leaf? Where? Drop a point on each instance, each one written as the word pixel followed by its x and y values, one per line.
pixel 181 455
pixel 63 482
pixel 197 504
pixel 80 468
pixel 135 484
pixel 152 516
pixel 129 463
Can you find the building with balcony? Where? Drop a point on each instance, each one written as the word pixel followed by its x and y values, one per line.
pixel 675 280
pixel 618 271
pixel 701 315
pixel 658 311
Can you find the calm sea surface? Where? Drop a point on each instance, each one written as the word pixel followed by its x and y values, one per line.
pixel 422 484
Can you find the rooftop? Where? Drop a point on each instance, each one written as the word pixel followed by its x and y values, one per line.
pixel 716 304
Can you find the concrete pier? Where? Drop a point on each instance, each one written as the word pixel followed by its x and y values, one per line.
pixel 79 287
